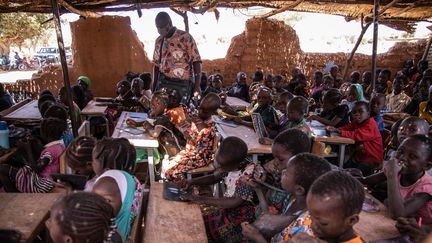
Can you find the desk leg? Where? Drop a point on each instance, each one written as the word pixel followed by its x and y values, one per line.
pixel 341 155
pixel 151 165
pixel 255 158
pixel 106 126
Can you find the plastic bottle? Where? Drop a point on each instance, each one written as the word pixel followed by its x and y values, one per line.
pixel 4 134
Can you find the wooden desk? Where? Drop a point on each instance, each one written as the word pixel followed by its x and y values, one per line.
pixel 93 109
pixel 27 112
pixel 376 226
pixel 237 104
pixel 169 221
pixel 26 212
pixel 142 140
pixel 337 140
pixel 248 135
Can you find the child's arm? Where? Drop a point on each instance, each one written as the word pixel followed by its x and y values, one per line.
pixel 231 202
pixel 360 134
pixel 324 121
pixel 397 206
pixel 202 180
pixel 242 121
pixel 40 163
pixel 373 179
pixel 251 232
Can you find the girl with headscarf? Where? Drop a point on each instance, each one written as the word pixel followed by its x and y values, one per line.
pixel 85 83
pixel 355 93
pixel 123 192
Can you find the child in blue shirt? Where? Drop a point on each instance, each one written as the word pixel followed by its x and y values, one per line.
pixel 377 103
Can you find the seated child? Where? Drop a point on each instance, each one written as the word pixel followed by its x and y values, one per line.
pixel 317 84
pixel 377 103
pixel 226 108
pixel 223 223
pixel 334 202
pixel 411 126
pixel 35 177
pixel 369 152
pixel 175 111
pixel 301 171
pixel 215 85
pixel 81 217
pixel 147 80
pixel 58 111
pixel 408 183
pixel 286 145
pixel 318 94
pixel 264 108
pixel 333 114
pixel 63 99
pixel 422 95
pixel 85 83
pixel 124 91
pixel 278 85
pixel 137 86
pixel 240 89
pixel 268 81
pixel 425 108
pixel 113 154
pixel 200 135
pixel 123 192
pixel 78 156
pixel 398 100
pixel 297 108
pixel 280 106
pixel 355 93
pixel 78 96
pixel 170 139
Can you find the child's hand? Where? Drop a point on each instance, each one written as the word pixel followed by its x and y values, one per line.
pixel 332 129
pixel 184 184
pixel 311 117
pixel 250 232
pixel 394 165
pixel 131 123
pixel 409 226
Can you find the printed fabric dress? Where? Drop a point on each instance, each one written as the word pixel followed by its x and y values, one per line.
pixel 224 224
pixel 197 153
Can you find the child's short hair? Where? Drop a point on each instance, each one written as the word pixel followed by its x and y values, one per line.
pixel 139 81
pixel 214 101
pixel 44 106
pixel 286 95
pixel 294 140
pixel 10 236
pixel 84 216
pixel 57 111
pixel 79 151
pixel 387 73
pixel 363 103
pixel 339 183
pixel 234 149
pixel 147 79
pixel 131 75
pixel 334 96
pixel 46 92
pixel 115 154
pixel 258 75
pixel 44 98
pixel 300 104
pixel 308 167
pixel 52 128
pixel 402 78
pixel 174 98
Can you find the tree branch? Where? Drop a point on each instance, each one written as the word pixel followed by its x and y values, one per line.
pixel 185 17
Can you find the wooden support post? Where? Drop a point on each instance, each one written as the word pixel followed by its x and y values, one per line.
pixel 428 46
pixel 56 13
pixel 375 44
pixel 353 51
pixel 185 17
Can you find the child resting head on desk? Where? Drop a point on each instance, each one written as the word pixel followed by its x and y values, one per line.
pixel 369 151
pixel 82 217
pixel 223 223
pixel 300 172
pixel 199 140
pixel 264 108
pixel 171 140
pixel 35 177
pixel 334 202
pixel 123 191
pixel 409 185
pixel 296 110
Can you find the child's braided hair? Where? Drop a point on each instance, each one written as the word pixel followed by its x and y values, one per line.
pixel 115 154
pixel 79 151
pixel 84 216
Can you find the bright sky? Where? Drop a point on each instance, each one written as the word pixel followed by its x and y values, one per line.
pixel 317 32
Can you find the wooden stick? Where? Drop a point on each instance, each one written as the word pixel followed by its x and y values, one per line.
pixel 86 14
pixel 282 9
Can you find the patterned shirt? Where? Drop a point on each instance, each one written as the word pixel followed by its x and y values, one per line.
pixel 302 224
pixel 178 53
pixel 397 103
pixel 52 152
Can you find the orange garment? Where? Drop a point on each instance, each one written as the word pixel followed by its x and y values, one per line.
pixel 357 239
pixel 176 116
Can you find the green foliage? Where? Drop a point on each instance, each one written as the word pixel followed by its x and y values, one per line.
pixel 17 28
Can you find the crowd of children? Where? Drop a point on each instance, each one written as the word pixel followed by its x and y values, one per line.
pixel 291 196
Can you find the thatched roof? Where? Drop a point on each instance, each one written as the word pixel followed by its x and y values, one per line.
pixel 398 13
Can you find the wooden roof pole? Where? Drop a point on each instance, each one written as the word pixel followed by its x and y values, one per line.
pixel 185 17
pixel 282 9
pixel 86 14
pixel 56 13
pixel 374 46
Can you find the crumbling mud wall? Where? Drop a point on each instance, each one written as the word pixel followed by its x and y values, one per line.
pixel 274 47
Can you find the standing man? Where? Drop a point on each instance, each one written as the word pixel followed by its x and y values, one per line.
pixel 176 60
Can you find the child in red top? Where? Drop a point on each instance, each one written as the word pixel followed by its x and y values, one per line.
pixel 369 152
